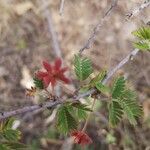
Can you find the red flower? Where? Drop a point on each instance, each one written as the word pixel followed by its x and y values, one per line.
pixel 81 138
pixel 52 73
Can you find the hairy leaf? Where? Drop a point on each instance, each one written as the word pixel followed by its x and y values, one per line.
pixel 81 110
pixel 65 120
pixel 118 87
pixel 99 78
pixel 83 67
pixel 81 106
pixel 81 114
pixel 11 135
pixel 143 34
pixel 15 145
pixel 115 113
pixel 143 45
pixel 103 88
pixel 130 106
pixel 7 124
pixel 38 83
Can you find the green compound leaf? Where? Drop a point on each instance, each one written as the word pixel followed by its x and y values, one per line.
pixel 11 135
pixel 38 83
pixel 123 100
pixel 83 67
pixel 99 78
pixel 118 87
pixel 102 88
pixel 143 34
pixel 7 132
pixel 7 124
pixel 81 110
pixel 143 45
pixel 65 120
pixel 115 113
pixel 130 106
pixel 14 146
pixel 81 114
pixel 81 106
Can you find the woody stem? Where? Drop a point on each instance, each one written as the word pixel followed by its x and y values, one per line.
pixel 89 115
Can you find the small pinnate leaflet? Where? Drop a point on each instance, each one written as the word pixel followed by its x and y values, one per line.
pixel 81 110
pixel 143 35
pixel 38 83
pixel 115 113
pixel 98 79
pixel 83 67
pixel 118 87
pixel 66 122
pixel 9 138
pixel 123 102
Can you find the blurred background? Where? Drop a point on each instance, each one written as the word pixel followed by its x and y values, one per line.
pixel 25 41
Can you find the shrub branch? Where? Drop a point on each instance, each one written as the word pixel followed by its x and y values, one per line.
pixel 56 101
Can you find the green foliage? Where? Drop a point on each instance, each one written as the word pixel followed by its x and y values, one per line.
pixel 81 110
pixel 3 147
pixel 66 122
pixel 81 106
pixel 102 88
pixel 143 34
pixel 115 113
pixel 99 78
pixel 14 145
pixel 131 108
pixel 123 101
pixel 7 124
pixel 83 67
pixel 38 83
pixel 9 137
pixel 143 45
pixel 118 87
pixel 69 115
pixel 7 132
pixel 81 114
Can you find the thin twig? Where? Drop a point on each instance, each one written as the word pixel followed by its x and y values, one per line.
pixel 61 9
pixel 122 63
pixel 50 104
pixel 30 109
pixel 53 34
pixel 129 57
pixel 137 10
pixel 91 39
pixel 52 31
